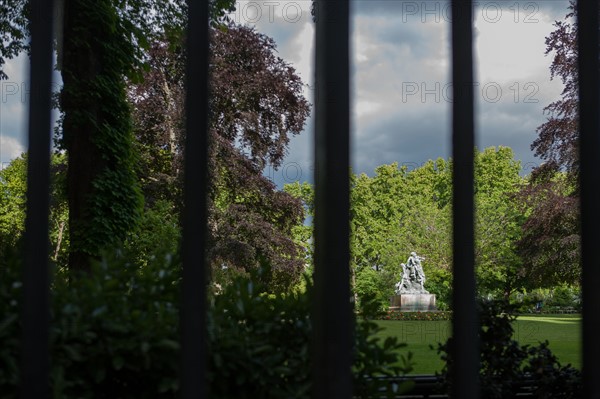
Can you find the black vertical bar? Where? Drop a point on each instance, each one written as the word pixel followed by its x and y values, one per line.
pixel 465 321
pixel 35 362
pixel 589 105
pixel 332 310
pixel 194 217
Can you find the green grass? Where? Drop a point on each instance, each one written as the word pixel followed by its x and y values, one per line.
pixel 562 331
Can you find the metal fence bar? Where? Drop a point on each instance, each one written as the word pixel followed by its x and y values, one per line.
pixel 35 362
pixel 589 125
pixel 194 217
pixel 465 321
pixel 332 308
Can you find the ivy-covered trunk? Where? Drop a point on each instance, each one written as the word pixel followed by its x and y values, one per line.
pixel 102 189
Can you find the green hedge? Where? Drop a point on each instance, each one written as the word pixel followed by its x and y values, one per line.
pixel 422 316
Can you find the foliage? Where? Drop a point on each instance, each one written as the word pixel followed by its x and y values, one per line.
pixel 256 105
pixel 498 221
pixel 10 340
pixel 262 348
pixel 13 30
pixel 565 296
pixel 548 300
pixel 558 136
pixel 101 44
pixel 258 342
pixel 157 231
pixel 302 234
pixel 373 292
pixel 505 365
pixel 13 188
pixel 261 345
pixel 115 333
pixel 373 358
pixel 550 246
pixel 398 211
pixel 144 20
pixel 104 198
pixel 553 379
pixel 416 316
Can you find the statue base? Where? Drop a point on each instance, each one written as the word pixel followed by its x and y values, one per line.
pixel 413 303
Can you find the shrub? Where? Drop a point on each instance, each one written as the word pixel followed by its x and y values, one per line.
pixel 115 331
pixel 505 365
pixel 564 296
pixel 115 334
pixel 439 282
pixel 411 316
pixel 552 300
pixel 373 295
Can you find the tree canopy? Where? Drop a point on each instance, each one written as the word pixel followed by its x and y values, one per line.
pixel 550 246
pixel 397 211
pixel 256 105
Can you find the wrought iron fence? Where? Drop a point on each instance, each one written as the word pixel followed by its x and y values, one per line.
pixel 332 316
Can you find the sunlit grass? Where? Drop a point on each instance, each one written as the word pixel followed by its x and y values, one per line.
pixel 562 331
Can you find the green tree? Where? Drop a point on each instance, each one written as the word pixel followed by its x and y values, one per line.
pixel 498 221
pixel 398 211
pixel 100 44
pixel 302 233
pixel 103 194
pixel 13 185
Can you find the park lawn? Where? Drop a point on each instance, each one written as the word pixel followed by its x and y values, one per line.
pixel 562 331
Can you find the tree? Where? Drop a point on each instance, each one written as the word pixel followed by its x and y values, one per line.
pixel 550 243
pixel 109 45
pixel 100 44
pixel 13 185
pixel 256 104
pixel 103 194
pixel 498 221
pixel 390 217
pixel 302 234
pixel 550 247
pixel 398 211
pixel 558 137
pixel 13 31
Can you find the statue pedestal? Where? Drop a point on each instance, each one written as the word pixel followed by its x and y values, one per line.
pixel 413 303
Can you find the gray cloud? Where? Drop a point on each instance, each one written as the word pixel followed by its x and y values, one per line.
pixel 401 78
pixel 408 138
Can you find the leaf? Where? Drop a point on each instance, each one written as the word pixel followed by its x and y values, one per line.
pixel 118 362
pixel 73 352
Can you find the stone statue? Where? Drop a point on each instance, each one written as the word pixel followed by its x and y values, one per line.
pixel 413 277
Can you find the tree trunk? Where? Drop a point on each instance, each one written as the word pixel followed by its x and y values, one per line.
pixel 80 66
pixel 102 190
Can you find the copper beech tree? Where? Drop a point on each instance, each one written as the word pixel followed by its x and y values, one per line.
pixel 550 245
pixel 256 106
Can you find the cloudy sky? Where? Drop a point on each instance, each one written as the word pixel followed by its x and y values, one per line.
pixel 401 84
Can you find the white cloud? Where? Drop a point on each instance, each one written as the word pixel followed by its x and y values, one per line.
pixel 364 108
pixel 10 148
pixel 14 95
pixel 394 46
pixel 512 50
